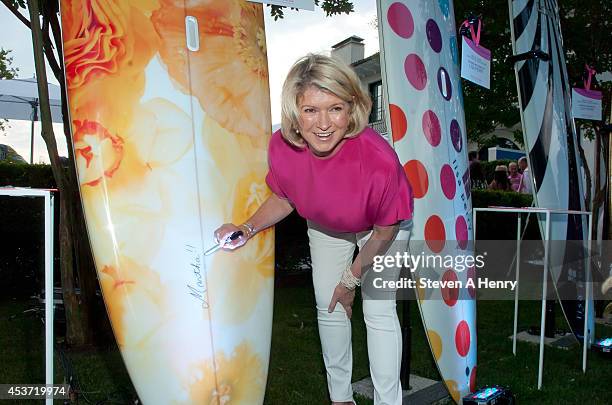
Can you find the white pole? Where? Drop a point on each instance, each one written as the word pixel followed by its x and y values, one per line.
pixel 32 134
pixel 544 294
pixel 587 298
pixel 48 292
pixel 516 292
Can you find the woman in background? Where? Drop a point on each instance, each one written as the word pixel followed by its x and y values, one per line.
pixel 500 179
pixel 515 178
pixel 477 176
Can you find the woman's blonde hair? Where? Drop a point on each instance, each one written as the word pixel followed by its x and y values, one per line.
pixel 501 168
pixel 330 75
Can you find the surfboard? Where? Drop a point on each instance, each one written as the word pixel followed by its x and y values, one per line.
pixel 170 117
pixel 550 139
pixel 421 78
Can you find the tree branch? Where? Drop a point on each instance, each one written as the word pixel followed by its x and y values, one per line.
pixel 15 11
pixel 57 37
pixel 51 58
pixel 43 94
pixel 47 44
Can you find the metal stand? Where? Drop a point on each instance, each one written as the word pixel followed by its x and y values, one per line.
pixel 48 197
pixel 406 345
pixel 548 213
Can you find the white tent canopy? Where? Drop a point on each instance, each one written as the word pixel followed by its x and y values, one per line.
pixel 19 101
pixel 19 97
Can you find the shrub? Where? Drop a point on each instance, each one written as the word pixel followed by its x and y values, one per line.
pixel 22 227
pixel 488 198
pixel 25 175
pixel 500 226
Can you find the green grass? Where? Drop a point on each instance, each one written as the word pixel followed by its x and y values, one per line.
pixel 297 375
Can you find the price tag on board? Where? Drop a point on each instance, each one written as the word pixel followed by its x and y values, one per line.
pixel 475 63
pixel 586 104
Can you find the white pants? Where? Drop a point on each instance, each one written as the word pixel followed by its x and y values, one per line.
pixel 331 254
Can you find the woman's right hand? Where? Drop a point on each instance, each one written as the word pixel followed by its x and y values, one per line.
pixel 223 233
pixel 269 213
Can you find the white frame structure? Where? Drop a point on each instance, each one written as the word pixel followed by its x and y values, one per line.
pixel 548 213
pixel 47 194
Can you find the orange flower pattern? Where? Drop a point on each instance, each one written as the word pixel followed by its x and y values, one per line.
pixel 239 379
pixel 91 142
pixel 107 45
pixel 131 285
pixel 229 74
pixel 153 123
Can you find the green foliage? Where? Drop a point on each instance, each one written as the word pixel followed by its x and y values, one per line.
pixel 587 35
pixel 6 72
pixel 487 109
pixel 496 198
pixel 296 372
pixel 517 137
pixel 22 254
pixel 18 3
pixel 291 244
pixel 25 175
pixel 502 226
pixel 331 7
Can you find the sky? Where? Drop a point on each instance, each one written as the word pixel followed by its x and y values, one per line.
pixel 299 33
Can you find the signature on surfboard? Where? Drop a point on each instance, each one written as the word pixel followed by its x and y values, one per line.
pixel 197 289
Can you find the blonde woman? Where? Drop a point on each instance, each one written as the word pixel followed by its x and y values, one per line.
pixel 346 180
pixel 500 179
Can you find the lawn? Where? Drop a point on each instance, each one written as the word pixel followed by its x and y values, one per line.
pixel 296 368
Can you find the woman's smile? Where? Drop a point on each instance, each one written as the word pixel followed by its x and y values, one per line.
pixel 324 120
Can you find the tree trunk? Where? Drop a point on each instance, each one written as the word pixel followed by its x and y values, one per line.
pixel 78 329
pixel 84 264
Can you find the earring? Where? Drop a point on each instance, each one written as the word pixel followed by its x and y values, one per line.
pixel 297 131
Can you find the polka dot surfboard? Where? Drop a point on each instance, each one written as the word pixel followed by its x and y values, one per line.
pixel 170 111
pixel 550 137
pixel 421 74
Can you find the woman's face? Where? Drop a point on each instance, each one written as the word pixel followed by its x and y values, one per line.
pixel 513 169
pixel 323 121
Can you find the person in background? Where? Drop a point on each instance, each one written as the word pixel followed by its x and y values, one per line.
pixel 526 184
pixel 477 176
pixel 347 182
pixel 500 179
pixel 515 178
pixel 473 156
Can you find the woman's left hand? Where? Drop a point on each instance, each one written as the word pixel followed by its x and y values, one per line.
pixel 345 297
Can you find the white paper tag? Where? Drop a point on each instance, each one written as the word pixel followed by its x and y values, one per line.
pixel 475 63
pixel 303 4
pixel 586 104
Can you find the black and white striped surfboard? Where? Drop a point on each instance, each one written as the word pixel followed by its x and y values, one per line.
pixel 550 140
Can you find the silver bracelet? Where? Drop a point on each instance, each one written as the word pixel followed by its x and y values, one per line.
pixel 250 229
pixel 349 280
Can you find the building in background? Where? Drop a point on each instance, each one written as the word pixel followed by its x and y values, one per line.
pixel 351 52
